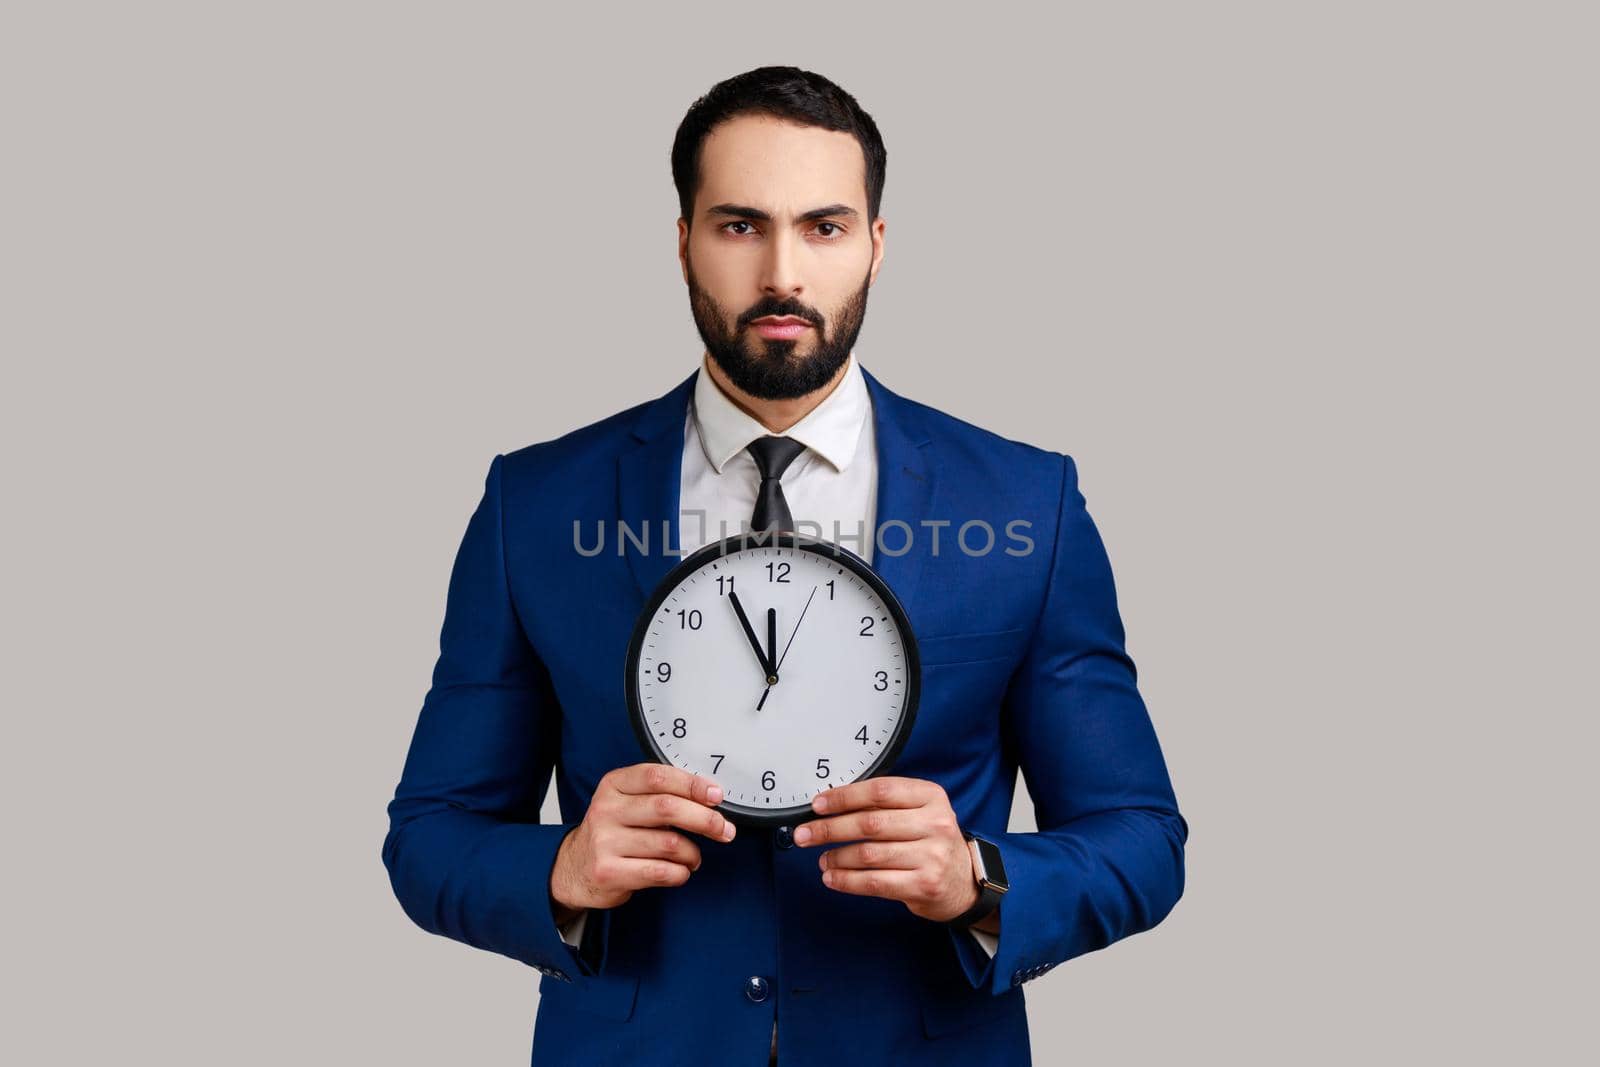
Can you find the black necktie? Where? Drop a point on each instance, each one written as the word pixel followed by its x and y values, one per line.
pixel 773 456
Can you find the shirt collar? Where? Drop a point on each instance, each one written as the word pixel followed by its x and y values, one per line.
pixel 830 429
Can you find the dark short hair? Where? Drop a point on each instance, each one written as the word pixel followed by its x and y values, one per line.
pixel 783 92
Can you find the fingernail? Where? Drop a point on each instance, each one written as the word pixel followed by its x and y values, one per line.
pixel 714 794
pixel 819 803
pixel 727 831
pixel 802 835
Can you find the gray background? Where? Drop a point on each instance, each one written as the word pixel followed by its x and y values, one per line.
pixel 1307 290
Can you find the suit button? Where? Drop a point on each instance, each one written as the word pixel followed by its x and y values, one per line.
pixel 785 837
pixel 756 988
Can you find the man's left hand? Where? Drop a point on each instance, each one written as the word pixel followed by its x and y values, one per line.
pixel 910 845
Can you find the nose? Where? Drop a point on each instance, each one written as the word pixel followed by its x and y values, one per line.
pixel 780 276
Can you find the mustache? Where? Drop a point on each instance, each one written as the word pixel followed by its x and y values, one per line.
pixel 779 310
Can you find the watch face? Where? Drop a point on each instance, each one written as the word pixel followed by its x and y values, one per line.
pixel 991 868
pixel 777 665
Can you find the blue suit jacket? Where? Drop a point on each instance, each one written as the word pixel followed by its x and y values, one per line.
pixel 1024 668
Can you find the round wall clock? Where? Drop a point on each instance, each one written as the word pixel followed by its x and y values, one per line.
pixel 778 664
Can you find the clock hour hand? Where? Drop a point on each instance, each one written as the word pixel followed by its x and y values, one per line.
pixel 772 645
pixel 767 667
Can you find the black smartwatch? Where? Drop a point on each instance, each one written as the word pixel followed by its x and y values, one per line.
pixel 990 871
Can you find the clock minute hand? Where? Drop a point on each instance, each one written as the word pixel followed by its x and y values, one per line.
pixel 767 667
pixel 772 645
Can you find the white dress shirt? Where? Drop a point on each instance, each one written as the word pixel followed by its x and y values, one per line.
pixel 832 484
pixel 831 487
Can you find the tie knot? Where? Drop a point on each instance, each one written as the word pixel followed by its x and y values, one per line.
pixel 774 454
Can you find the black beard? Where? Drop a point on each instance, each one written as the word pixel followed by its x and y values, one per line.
pixel 776 372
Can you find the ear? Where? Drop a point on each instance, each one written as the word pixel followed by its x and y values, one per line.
pixel 683 249
pixel 877 249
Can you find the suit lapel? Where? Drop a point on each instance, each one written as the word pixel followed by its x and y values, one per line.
pixel 907 492
pixel 648 485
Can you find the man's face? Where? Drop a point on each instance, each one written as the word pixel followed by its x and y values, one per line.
pixel 780 230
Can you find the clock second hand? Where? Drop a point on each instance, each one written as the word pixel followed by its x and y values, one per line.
pixel 796 630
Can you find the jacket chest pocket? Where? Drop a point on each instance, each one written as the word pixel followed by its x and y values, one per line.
pixel 971 647
pixel 964 679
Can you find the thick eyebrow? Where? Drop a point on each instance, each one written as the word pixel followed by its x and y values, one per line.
pixel 739 211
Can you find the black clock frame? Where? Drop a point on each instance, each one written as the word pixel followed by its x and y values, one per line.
pixel 741 814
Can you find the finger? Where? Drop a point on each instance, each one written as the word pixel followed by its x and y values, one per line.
pixel 888 792
pixel 635 843
pixel 621 872
pixel 645 778
pixel 891 885
pixel 886 855
pixel 665 809
pixel 894 824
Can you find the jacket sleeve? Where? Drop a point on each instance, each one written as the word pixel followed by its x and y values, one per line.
pixel 465 851
pixel 1107 860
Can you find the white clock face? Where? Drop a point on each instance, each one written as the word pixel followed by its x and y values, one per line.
pixel 813 695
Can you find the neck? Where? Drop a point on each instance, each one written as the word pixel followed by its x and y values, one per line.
pixel 776 415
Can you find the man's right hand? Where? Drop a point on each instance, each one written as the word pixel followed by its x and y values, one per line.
pixel 623 843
